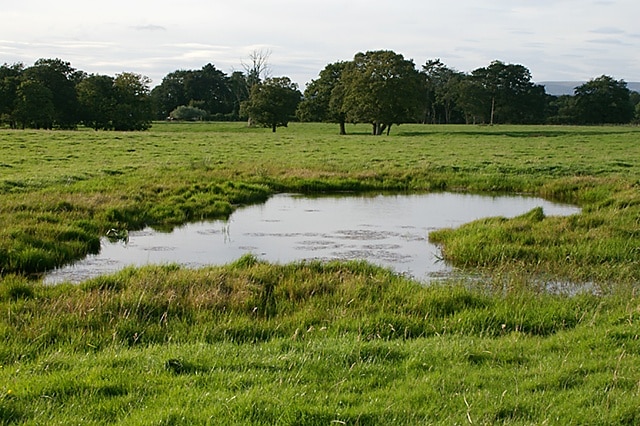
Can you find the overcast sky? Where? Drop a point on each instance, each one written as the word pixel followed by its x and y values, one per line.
pixel 558 40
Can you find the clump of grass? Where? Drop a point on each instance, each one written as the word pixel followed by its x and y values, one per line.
pixel 599 245
pixel 41 247
pixel 14 288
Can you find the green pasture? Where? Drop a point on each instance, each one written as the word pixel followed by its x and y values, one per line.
pixel 312 343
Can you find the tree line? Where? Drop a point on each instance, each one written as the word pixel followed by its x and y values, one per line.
pixel 52 94
pixel 381 88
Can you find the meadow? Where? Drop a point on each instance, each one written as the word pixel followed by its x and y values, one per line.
pixel 321 343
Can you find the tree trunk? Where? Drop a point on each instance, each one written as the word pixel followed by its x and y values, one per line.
pixel 378 128
pixel 273 128
pixel 343 130
pixel 493 109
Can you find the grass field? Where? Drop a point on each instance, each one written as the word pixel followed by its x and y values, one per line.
pixel 312 343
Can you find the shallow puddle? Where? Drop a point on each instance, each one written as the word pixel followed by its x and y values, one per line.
pixel 387 230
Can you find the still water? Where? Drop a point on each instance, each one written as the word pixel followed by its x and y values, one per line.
pixel 387 230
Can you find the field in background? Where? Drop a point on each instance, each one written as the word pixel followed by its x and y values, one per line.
pixel 253 343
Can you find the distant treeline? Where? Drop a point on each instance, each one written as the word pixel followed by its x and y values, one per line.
pixel 381 88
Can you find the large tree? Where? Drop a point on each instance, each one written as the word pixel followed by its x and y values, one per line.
pixel 133 107
pixel 382 88
pixel 272 102
pixel 60 78
pixel 322 99
pixel 603 100
pixel 473 101
pixel 511 95
pixel 9 82
pixel 96 95
pixel 34 105
pixel 441 92
pixel 170 93
pixel 208 89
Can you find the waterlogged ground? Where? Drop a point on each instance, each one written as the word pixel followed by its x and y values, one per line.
pixel 387 230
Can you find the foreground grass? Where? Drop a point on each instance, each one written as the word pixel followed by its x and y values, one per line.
pixel 312 344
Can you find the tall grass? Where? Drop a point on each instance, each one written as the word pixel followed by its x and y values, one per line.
pixel 312 343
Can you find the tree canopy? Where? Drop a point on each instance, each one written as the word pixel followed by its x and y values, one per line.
pixel 603 100
pixel 380 88
pixel 53 95
pixel 383 88
pixel 273 102
pixel 208 89
pixel 323 97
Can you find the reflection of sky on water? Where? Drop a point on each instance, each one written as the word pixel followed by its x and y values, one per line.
pixel 388 230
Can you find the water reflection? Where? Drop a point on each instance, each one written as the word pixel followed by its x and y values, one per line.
pixel 388 230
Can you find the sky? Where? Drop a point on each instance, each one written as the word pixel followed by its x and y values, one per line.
pixel 557 40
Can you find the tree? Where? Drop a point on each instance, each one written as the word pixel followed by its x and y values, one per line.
pixel 258 68
pixel 381 88
pixel 441 92
pixel 34 105
pixel 97 99
pixel 273 102
pixel 240 91
pixel 511 95
pixel 9 82
pixel 562 110
pixel 322 98
pixel 208 89
pixel 60 78
pixel 603 100
pixel 133 110
pixel 170 93
pixel 472 100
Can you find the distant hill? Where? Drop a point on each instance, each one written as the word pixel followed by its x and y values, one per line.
pixel 558 88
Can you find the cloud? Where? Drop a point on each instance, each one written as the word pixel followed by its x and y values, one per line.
pixel 150 27
pixel 608 30
pixel 610 41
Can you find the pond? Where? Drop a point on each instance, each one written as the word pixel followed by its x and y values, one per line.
pixel 387 230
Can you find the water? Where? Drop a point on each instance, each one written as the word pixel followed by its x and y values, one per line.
pixel 388 230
